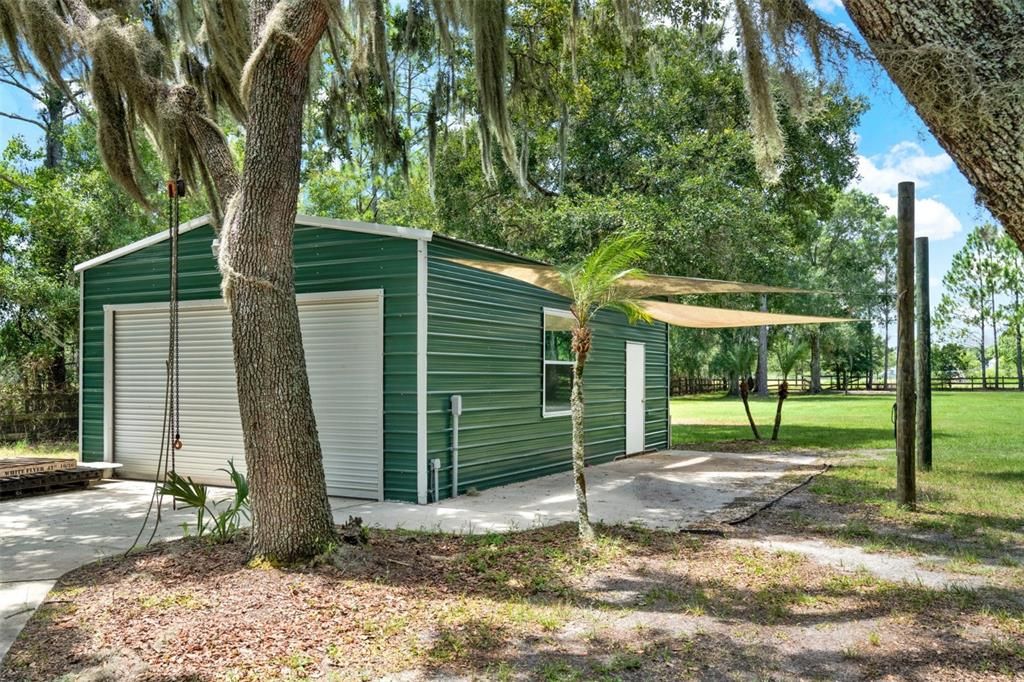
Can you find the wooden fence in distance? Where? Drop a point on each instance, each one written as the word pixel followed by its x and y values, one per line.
pixel 802 384
pixel 39 416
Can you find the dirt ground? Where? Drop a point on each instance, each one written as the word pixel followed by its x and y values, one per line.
pixel 639 605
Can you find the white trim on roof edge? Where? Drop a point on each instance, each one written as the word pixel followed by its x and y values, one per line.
pixel 300 219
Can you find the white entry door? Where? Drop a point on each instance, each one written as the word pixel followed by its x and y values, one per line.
pixel 342 335
pixel 635 397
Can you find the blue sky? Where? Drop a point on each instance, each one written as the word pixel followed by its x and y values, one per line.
pixel 893 145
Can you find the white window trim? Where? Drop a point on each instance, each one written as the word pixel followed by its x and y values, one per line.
pixel 555 312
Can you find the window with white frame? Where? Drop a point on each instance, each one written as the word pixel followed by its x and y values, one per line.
pixel 558 361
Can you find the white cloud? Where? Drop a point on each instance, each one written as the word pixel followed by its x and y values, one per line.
pixel 825 6
pixel 932 218
pixel 906 160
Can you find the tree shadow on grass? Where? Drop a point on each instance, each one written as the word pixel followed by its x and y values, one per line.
pixel 665 655
pixel 688 606
pixel 851 514
pixel 790 436
pixel 658 603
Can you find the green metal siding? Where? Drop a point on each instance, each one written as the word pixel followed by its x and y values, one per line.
pixel 485 343
pixel 325 260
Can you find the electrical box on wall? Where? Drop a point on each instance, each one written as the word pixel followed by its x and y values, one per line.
pixel 457 405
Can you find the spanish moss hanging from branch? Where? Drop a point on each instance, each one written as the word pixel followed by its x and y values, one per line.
pixel 765 131
pixel 487 21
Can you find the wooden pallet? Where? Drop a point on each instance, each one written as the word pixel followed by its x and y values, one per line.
pixel 20 466
pixel 46 481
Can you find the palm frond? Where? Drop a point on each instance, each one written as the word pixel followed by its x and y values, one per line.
pixel 239 482
pixel 788 354
pixel 185 490
pixel 594 281
pixel 631 308
pixel 739 358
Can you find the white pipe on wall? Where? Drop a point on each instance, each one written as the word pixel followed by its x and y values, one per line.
pixel 456 405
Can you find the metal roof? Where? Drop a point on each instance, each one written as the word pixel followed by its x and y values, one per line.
pixel 300 219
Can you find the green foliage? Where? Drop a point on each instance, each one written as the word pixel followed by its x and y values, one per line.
pixel 50 219
pixel 950 360
pixel 739 359
pixel 967 310
pixel 595 281
pixel 789 353
pixel 219 520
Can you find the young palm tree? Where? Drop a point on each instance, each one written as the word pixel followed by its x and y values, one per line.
pixel 739 359
pixel 594 284
pixel 788 355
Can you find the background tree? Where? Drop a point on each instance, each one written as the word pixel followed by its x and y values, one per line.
pixel 739 358
pixel 788 354
pixel 967 307
pixel 594 283
pixel 950 361
pixel 52 217
pixel 834 255
pixel 1012 285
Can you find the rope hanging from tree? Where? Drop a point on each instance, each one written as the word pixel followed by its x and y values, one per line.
pixel 170 435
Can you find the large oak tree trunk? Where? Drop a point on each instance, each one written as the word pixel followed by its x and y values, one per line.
pixel 958 63
pixel 291 516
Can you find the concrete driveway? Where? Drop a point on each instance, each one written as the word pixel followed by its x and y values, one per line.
pixel 670 489
pixel 43 537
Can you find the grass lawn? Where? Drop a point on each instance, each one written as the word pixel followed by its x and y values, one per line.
pixel 23 449
pixel 971 504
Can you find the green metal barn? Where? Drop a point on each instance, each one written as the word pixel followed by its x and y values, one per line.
pixel 392 329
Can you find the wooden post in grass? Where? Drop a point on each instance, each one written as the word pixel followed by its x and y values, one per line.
pixel 924 356
pixel 906 493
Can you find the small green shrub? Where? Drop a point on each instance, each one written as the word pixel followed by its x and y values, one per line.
pixel 214 520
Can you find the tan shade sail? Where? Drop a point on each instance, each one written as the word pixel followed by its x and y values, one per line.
pixel 546 277
pixel 701 317
pixel 543 276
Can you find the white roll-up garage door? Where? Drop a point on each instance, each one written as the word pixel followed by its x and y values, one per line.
pixel 343 338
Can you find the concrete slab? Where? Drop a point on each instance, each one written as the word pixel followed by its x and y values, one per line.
pixel 667 490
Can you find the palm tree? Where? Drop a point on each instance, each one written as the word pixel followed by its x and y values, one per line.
pixel 594 283
pixel 788 355
pixel 739 359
